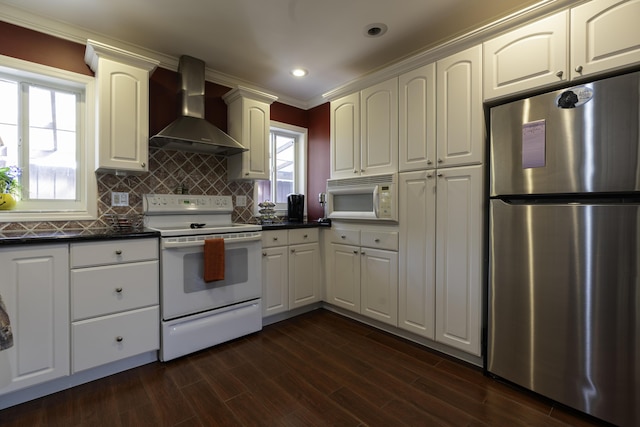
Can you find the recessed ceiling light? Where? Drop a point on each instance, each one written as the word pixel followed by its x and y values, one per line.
pixel 299 72
pixel 375 30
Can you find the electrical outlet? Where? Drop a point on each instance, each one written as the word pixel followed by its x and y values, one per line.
pixel 241 201
pixel 119 199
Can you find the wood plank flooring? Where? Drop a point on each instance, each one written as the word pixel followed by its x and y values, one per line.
pixel 317 369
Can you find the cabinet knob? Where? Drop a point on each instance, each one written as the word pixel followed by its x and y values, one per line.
pixel 343 237
pixel 377 240
pixel 559 74
pixel 429 162
pixel 275 239
pixel 119 339
pixel 305 236
pixel 440 175
pixel 264 254
pixel 363 253
pixel 429 175
pixel 361 170
pixel 143 164
pixel 440 160
pixel 355 171
pixel 118 290
pixel 579 69
pixel 293 250
pixel 118 251
pixel 355 252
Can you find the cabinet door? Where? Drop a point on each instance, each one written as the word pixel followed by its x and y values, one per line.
pixel 379 128
pixel 123 117
pixel 304 275
pixel 249 123
pixel 345 136
pixel 35 292
pixel 531 56
pixel 417 119
pixel 460 119
pixel 344 277
pixel 459 257
pixel 379 285
pixel 605 35
pixel 275 280
pixel 416 292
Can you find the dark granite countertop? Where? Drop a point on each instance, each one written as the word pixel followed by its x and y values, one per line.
pixel 52 236
pixel 286 225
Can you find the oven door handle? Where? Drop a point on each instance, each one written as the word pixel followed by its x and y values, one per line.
pixel 182 242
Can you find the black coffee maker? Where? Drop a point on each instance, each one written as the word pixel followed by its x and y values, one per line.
pixel 295 207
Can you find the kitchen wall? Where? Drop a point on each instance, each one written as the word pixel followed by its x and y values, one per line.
pixel 200 173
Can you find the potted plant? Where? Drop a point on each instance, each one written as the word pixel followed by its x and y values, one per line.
pixel 10 189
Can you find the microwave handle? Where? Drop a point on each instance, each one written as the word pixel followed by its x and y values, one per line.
pixel 376 200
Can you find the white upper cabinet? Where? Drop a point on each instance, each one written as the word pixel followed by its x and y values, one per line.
pixel 379 128
pixel 460 119
pixel 531 56
pixel 345 136
pixel 417 119
pixel 364 132
pixel 249 122
pixel 122 108
pixel 605 35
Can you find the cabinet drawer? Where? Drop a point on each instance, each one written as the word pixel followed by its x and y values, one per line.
pixel 274 238
pixel 110 338
pixel 97 291
pixel 347 237
pixel 113 252
pixel 380 240
pixel 303 235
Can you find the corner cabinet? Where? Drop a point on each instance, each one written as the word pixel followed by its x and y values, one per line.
pixel 249 122
pixel 35 293
pixel 122 108
pixel 460 119
pixel 364 131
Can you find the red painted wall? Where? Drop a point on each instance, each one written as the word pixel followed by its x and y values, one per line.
pixel 318 161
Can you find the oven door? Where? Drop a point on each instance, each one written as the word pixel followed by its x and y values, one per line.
pixel 182 286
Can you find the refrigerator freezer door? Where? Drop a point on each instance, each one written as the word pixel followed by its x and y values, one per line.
pixel 540 148
pixel 564 304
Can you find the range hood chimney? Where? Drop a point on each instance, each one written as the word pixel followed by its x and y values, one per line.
pixel 191 132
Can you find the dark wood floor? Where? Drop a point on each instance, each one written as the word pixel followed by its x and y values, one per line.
pixel 316 369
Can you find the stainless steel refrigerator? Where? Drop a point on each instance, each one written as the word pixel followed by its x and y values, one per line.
pixel 564 270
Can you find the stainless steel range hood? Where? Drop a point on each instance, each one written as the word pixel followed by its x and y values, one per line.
pixel 191 132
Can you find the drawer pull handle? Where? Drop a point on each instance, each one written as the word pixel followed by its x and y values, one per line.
pixel 119 290
pixel 377 240
pixel 118 251
pixel 119 339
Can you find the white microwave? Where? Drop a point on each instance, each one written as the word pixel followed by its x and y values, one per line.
pixel 372 197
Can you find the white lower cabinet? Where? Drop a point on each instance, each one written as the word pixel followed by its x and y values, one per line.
pixel 363 273
pixel 441 219
pixel 114 301
pixel 291 273
pixel 35 293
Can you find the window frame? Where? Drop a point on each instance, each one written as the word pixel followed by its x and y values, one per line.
pixel 86 207
pixel 300 167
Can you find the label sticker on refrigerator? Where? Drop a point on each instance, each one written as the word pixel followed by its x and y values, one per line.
pixel 534 144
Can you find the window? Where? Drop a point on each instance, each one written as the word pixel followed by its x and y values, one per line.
pixel 287 163
pixel 46 130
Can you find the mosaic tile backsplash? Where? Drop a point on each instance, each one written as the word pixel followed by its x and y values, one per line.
pixel 168 171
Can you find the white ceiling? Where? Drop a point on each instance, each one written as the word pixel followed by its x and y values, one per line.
pixel 258 41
